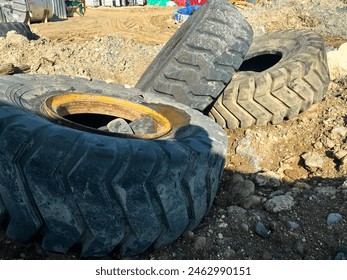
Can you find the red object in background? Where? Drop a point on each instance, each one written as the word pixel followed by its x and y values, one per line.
pixel 182 3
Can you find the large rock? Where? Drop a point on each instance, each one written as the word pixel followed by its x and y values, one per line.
pixel 279 203
pixel 337 62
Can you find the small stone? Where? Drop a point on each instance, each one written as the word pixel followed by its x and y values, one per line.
pixel 241 190
pixel 334 218
pixel 251 202
pixel 292 225
pixel 302 185
pixel 143 125
pixel 237 212
pixel 119 126
pixel 245 227
pixel 267 256
pixel 236 178
pixel 200 242
pixel 318 145
pixel 220 236
pixel 299 247
pixel 313 161
pixel 189 235
pixel 279 203
pixel 341 131
pixel 229 253
pixel 276 193
pixel 326 191
pixel 268 179
pixel 261 230
pixel 341 154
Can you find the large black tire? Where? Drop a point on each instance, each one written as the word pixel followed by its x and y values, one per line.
pixel 101 192
pixel 283 74
pixel 19 27
pixel 199 60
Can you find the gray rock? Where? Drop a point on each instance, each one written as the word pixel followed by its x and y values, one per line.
pixel 299 247
pixel 143 125
pixel 292 225
pixel 189 235
pixel 313 161
pixel 241 190
pixel 229 253
pixel 237 213
pixel 236 178
pixel 119 126
pixel 326 191
pixel 341 131
pixel 200 242
pixel 261 230
pixel 334 218
pixel 279 203
pixel 276 193
pixel 268 179
pixel 251 202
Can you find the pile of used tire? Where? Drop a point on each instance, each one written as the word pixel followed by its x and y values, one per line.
pixel 72 183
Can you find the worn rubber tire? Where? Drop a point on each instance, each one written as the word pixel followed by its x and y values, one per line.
pixel 199 60
pixel 99 192
pixel 266 91
pixel 19 27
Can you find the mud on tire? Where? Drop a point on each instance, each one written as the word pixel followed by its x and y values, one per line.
pixel 283 74
pixel 76 188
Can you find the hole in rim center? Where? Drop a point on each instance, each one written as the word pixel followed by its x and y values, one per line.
pixel 260 63
pixel 90 119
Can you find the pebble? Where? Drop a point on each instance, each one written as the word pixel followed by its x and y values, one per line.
pixel 189 235
pixel 276 193
pixel 245 227
pixel 229 253
pixel 292 225
pixel 313 161
pixel 261 230
pixel 220 236
pixel 241 190
pixel 200 242
pixel 341 131
pixel 334 218
pixel 251 202
pixel 302 185
pixel 326 191
pixel 279 203
pixel 299 247
pixel 268 179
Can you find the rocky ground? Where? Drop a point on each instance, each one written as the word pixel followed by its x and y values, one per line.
pixel 283 194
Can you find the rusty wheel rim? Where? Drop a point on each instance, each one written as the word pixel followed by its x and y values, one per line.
pixel 59 107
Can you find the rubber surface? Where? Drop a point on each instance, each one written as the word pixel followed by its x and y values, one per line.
pixel 268 91
pixel 199 60
pixel 19 27
pixel 99 192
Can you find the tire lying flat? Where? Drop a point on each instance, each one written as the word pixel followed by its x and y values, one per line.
pixel 199 60
pixel 101 192
pixel 19 27
pixel 283 74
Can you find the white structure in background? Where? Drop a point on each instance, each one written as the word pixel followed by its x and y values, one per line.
pixel 114 3
pixel 31 10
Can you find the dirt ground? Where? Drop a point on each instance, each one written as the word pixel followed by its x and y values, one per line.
pixel 117 45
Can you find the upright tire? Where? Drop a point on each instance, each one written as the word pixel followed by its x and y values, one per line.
pixel 199 60
pixel 98 191
pixel 19 27
pixel 283 74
